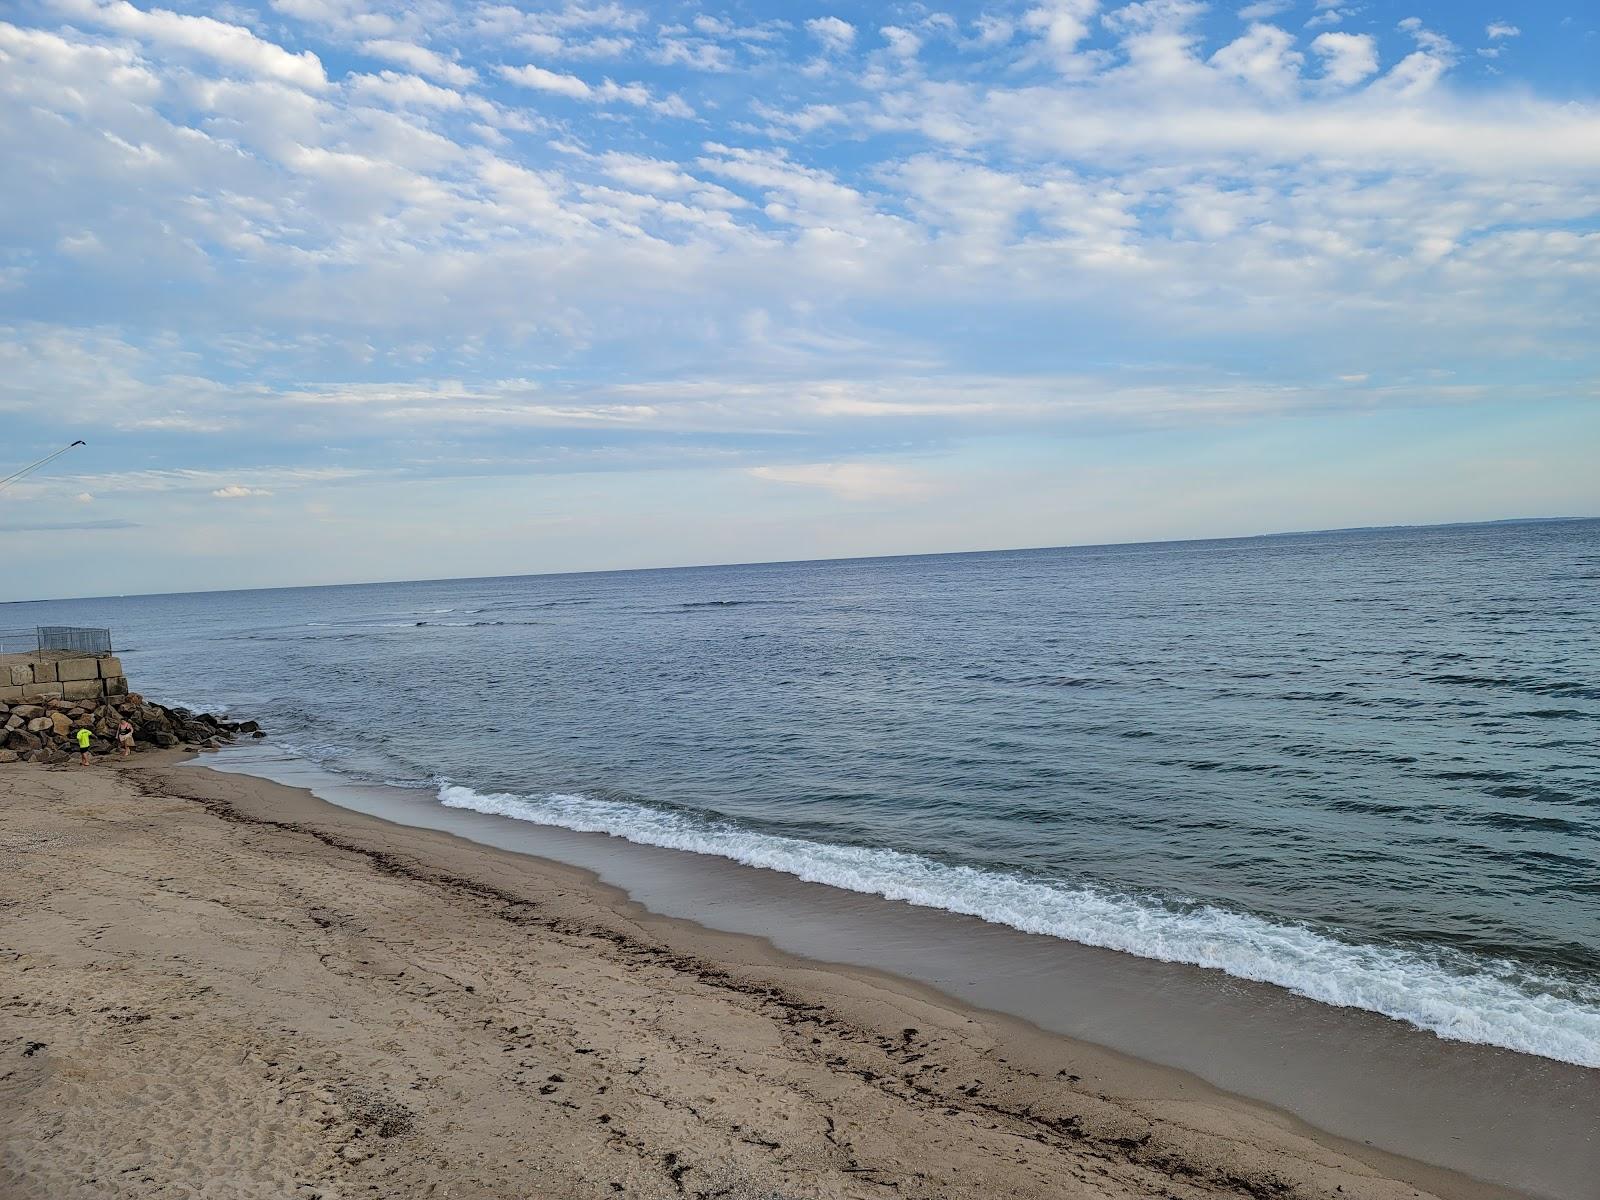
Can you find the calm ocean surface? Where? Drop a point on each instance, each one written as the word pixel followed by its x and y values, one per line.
pixel 1363 766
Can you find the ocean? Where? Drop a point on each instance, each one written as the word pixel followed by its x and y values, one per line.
pixel 1361 766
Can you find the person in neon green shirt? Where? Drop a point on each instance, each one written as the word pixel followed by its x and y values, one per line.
pixel 83 744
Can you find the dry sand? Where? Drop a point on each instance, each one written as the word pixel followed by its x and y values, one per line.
pixel 215 986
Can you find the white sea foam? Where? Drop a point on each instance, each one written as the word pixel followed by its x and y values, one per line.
pixel 1455 1002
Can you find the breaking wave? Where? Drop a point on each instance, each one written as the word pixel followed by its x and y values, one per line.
pixel 1449 994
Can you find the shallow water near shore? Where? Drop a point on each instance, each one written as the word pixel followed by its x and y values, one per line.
pixel 1358 766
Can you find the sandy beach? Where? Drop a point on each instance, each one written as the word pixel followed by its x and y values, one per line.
pixel 214 985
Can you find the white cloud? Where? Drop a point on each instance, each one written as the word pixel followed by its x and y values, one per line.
pixel 421 60
pixel 851 481
pixel 607 91
pixel 992 31
pixel 836 35
pixel 406 91
pixel 1265 57
pixel 233 45
pixel 1263 9
pixel 1417 72
pixel 1500 29
pixel 903 43
pixel 235 491
pixel 1347 58
pixel 542 80
pixel 1062 25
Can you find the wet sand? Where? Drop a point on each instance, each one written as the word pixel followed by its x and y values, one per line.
pixel 217 985
pixel 1522 1121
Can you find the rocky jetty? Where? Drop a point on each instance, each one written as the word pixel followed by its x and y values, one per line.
pixel 45 731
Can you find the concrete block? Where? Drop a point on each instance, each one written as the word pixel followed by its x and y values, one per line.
pixel 110 667
pixel 44 671
pixel 11 693
pixel 68 669
pixel 82 689
pixel 17 674
pixel 42 691
pixel 116 685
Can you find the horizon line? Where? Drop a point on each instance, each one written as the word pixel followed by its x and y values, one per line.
pixel 779 562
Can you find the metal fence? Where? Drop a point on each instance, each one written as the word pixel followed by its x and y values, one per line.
pixel 63 639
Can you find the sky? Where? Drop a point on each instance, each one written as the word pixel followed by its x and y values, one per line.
pixel 347 290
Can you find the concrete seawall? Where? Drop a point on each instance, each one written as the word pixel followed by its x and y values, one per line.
pixel 59 675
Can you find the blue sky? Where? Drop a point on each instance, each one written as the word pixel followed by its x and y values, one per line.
pixel 342 290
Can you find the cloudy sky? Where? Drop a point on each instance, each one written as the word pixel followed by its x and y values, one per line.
pixel 361 289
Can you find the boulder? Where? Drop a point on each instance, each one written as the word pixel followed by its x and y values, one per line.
pixel 26 711
pixel 163 739
pixel 258 734
pixel 20 740
pixel 14 722
pixel 40 725
pixel 9 756
pixel 62 724
pixel 47 756
pixel 248 727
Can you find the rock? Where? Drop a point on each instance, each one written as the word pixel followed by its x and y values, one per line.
pixel 46 731
pixel 9 756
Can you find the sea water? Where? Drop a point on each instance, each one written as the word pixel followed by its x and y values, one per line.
pixel 1362 766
